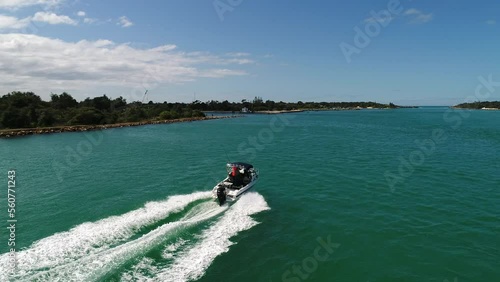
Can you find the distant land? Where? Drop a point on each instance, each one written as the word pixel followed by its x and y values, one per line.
pixel 26 110
pixel 493 105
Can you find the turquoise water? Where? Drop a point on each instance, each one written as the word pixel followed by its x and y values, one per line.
pixel 342 196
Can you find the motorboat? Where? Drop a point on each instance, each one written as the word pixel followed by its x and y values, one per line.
pixel 240 178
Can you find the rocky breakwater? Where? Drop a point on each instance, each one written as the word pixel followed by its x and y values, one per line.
pixel 9 133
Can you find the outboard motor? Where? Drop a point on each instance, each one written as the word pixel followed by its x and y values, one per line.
pixel 221 195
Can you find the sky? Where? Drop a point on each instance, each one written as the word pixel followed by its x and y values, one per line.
pixel 407 52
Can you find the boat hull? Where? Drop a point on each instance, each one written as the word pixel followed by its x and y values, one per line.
pixel 230 193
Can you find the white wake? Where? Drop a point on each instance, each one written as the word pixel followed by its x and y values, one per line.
pixel 93 251
pixel 93 237
pixel 191 263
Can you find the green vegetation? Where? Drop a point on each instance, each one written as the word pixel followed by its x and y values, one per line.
pixel 27 110
pixel 479 105
pixel 259 105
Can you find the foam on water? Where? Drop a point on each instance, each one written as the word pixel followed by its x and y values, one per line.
pixel 147 267
pixel 96 266
pixel 62 257
pixel 191 263
pixel 170 249
pixel 140 271
pixel 88 239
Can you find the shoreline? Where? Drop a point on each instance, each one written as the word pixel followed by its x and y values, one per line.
pixel 329 109
pixel 278 112
pixel 275 112
pixel 478 109
pixel 239 113
pixel 12 133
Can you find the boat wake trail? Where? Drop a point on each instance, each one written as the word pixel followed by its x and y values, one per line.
pixel 191 262
pixel 121 247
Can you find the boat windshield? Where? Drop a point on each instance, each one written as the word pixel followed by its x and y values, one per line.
pixel 239 165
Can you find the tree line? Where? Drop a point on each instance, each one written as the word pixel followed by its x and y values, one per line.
pixel 28 110
pixel 258 104
pixel 479 105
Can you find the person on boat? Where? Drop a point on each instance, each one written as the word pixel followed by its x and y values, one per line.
pixel 237 177
pixel 232 174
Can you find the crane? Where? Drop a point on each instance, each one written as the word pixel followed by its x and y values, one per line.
pixel 144 97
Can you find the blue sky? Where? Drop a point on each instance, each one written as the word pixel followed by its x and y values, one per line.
pixel 423 53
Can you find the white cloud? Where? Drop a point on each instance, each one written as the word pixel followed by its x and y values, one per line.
pixel 52 18
pixel 238 54
pixel 378 20
pixel 164 48
pixel 13 23
pixel 36 63
pixel 417 17
pixel 81 14
pixel 89 20
pixel 237 58
pixel 412 11
pixel 125 22
pixel 16 4
pixel 491 22
pixel 238 61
